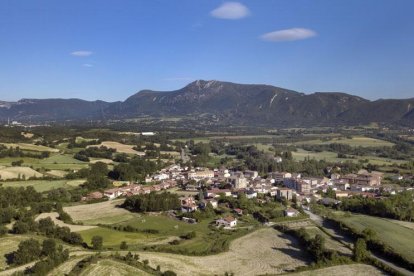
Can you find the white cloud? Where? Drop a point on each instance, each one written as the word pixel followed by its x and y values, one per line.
pixel 288 35
pixel 87 65
pixel 81 53
pixel 230 10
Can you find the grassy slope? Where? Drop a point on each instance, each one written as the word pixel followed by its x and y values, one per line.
pixel 399 237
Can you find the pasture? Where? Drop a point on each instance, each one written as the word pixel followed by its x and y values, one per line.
pixel 18 173
pixel 395 235
pixel 121 148
pixel 44 185
pixel 355 141
pixel 29 147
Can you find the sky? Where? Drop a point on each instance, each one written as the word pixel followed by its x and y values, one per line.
pixel 111 49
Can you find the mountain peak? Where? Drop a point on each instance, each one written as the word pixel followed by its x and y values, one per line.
pixel 203 84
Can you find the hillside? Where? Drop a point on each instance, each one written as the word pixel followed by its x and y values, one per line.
pixel 225 102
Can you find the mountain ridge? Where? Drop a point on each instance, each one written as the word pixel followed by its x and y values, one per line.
pixel 244 104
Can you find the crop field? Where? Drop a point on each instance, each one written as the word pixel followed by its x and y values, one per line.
pixel 31 147
pixel 121 148
pixel 263 251
pixel 109 267
pixel 397 236
pixel 329 156
pixel 356 141
pixel 343 270
pixel 104 213
pixel 44 185
pixel 18 172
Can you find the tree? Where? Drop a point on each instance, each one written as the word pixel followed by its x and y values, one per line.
pixel 360 250
pixel 49 247
pixel 27 251
pixel 123 245
pixel 97 242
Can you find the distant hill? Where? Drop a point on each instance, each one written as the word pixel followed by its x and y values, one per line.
pixel 231 103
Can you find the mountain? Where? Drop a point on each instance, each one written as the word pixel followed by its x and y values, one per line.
pixel 52 109
pixel 226 103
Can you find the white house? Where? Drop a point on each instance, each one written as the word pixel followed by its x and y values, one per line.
pixel 227 222
pixel 290 212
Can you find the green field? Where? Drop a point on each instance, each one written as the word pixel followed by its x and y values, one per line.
pixel 54 162
pixel 113 238
pixel 329 156
pixel 44 185
pixel 31 147
pixel 395 235
pixel 356 141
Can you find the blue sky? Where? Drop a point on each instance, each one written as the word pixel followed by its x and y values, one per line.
pixel 101 49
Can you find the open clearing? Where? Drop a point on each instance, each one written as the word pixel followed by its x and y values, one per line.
pixel 104 212
pixel 45 185
pixel 73 228
pixel 121 148
pixel 111 268
pixel 263 251
pixel 398 237
pixel 31 147
pixel 343 270
pixel 18 172
pixel 356 141
pixel 329 156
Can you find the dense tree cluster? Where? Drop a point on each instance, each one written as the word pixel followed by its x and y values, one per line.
pixel 97 152
pixel 399 206
pixel 135 170
pixel 18 153
pixel 152 202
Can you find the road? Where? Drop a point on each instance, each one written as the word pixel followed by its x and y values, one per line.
pixel 318 220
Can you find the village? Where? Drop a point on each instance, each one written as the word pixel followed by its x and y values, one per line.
pixel 212 184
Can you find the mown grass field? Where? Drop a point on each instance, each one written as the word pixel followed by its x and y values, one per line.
pixel 330 243
pixel 356 141
pixel 54 162
pixel 113 238
pixel 45 185
pixel 302 154
pixel 397 236
pixel 31 147
pixel 108 267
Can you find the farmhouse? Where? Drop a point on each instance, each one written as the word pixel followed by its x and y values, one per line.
pixel 290 212
pixel 227 222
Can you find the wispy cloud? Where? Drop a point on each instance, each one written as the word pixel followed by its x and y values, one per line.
pixel 179 79
pixel 288 35
pixel 87 65
pixel 81 53
pixel 230 10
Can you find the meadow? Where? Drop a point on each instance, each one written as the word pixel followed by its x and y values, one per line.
pixel 45 185
pixel 355 141
pixel 397 236
pixel 343 270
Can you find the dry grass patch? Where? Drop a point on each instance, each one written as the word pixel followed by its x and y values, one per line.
pixel 103 212
pixel 261 252
pixel 121 148
pixel 16 172
pixel 343 270
pixel 112 268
